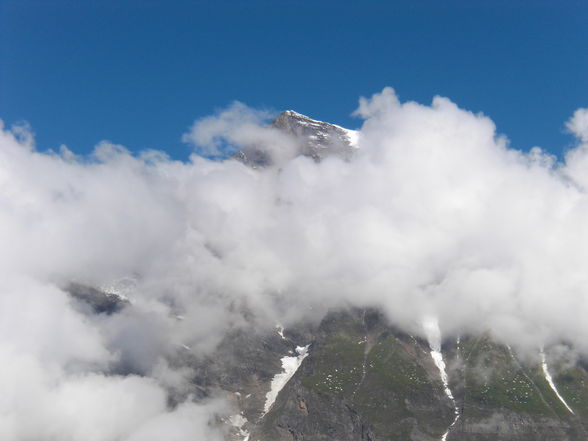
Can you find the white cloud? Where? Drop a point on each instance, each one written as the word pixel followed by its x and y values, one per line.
pixel 237 127
pixel 578 124
pixel 434 217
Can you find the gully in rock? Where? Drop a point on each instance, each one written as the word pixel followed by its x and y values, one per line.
pixel 433 333
pixel 550 380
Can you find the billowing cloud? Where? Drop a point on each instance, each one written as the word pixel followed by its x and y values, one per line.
pixel 237 127
pixel 578 124
pixel 434 216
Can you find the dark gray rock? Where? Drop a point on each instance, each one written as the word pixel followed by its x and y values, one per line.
pixel 91 299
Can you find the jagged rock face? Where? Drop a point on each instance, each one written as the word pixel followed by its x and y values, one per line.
pixel 315 139
pixel 243 366
pixel 319 139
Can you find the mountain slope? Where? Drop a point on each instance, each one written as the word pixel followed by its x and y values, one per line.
pixel 366 380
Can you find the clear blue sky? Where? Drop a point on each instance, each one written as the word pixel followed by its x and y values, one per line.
pixel 139 72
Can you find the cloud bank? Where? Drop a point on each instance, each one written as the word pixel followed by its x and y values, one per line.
pixel 435 216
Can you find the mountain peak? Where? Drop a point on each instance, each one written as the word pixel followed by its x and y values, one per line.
pixel 315 139
pixel 293 114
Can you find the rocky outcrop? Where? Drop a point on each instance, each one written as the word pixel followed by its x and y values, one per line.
pixel 95 300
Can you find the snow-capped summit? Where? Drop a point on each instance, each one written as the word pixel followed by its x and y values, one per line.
pixel 316 139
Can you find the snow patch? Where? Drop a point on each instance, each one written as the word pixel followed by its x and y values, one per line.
pixel 289 365
pixel 353 136
pixel 550 381
pixel 433 333
pixel 303 120
pixel 280 329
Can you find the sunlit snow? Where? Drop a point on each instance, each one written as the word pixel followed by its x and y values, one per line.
pixel 550 380
pixel 431 326
pixel 290 365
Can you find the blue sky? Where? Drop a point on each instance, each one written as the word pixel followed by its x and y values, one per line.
pixel 139 73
